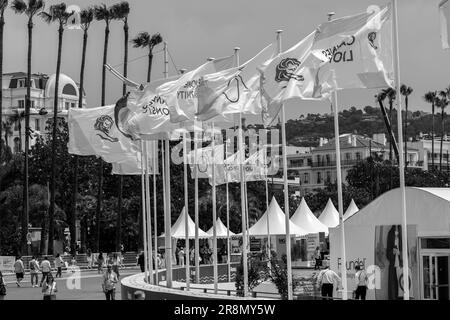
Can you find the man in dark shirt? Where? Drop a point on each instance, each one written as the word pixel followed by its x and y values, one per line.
pixel 141 261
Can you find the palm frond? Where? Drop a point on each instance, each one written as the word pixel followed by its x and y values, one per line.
pixel 18 6
pixel 47 17
pixel 34 7
pixel 121 10
pixel 86 16
pixel 155 40
pixel 3 5
pixel 142 40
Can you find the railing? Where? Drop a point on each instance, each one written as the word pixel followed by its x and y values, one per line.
pixel 254 294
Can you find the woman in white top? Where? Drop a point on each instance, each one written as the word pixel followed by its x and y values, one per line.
pixel 49 288
pixel 361 283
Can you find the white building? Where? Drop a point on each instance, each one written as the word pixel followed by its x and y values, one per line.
pixel 14 91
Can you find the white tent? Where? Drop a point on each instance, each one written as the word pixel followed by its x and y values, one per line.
pixel 277 223
pixel 351 210
pixel 178 228
pixel 329 216
pixel 221 230
pixel 304 218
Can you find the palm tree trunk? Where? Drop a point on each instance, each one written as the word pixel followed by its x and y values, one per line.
pixel 150 61
pixel 73 217
pixel 2 25
pixel 432 135
pixel 51 215
pixel 27 141
pixel 124 91
pixel 390 137
pixel 405 134
pixel 100 169
pixel 43 236
pixel 442 138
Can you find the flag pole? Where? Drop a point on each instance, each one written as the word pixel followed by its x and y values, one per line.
pixel 267 207
pixel 168 222
pixel 286 191
pixel 400 146
pixel 243 206
pixel 197 243
pixel 186 211
pixel 215 273
pixel 155 210
pixel 148 214
pixel 163 176
pixel 339 189
pixel 144 229
pixel 228 216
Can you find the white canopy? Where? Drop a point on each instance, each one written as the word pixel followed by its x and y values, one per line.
pixel 178 228
pixel 329 216
pixel 351 210
pixel 304 218
pixel 221 230
pixel 277 223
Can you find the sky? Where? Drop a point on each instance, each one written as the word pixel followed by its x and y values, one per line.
pixel 198 29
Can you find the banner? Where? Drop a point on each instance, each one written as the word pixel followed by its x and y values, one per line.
pixel 133 167
pixel 7 263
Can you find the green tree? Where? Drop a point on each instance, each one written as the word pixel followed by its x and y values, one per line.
pixel 442 103
pixel 430 97
pixel 406 92
pixel 30 9
pixel 3 6
pixel 144 40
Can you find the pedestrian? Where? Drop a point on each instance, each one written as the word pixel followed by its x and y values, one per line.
pixel 34 269
pixel 122 249
pixel 2 287
pixel 89 258
pixel 115 264
pixel 177 256
pixel 58 265
pixel 73 264
pixel 141 261
pixel 181 256
pixel 100 262
pixel 19 270
pixel 318 258
pixel 109 283
pixel 49 289
pixel 192 256
pixel 326 280
pixel 361 283
pixel 46 268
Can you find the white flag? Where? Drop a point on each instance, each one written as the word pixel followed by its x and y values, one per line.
pixel 133 166
pixel 444 14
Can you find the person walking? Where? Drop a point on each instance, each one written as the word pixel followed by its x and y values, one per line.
pixel 49 289
pixel 89 258
pixel 58 265
pixel 34 269
pixel 318 258
pixel 2 287
pixel 19 269
pixel 115 264
pixel 326 280
pixel 100 262
pixel 141 261
pixel 46 268
pixel 361 283
pixel 109 283
pixel 181 256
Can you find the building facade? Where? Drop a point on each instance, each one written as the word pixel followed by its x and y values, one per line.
pixel 14 90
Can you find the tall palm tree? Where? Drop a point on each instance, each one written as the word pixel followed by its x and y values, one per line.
pixel 430 97
pixel 121 12
pixel 57 13
pixel 30 9
pixel 86 16
pixel 144 40
pixel 3 5
pixel 443 103
pixel 406 91
pixel 106 14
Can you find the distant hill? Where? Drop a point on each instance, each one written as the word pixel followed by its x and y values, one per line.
pixel 306 131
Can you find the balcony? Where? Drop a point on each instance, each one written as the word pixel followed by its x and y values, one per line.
pixel 323 164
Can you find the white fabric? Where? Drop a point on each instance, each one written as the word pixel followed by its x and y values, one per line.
pixel 277 223
pixel 221 230
pixel 304 218
pixel 444 14
pixel 351 210
pixel 178 228
pixel 329 216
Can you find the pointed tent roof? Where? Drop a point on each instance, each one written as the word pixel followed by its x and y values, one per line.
pixel 178 228
pixel 351 210
pixel 304 218
pixel 277 223
pixel 221 230
pixel 329 216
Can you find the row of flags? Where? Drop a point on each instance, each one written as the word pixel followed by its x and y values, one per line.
pixel 350 52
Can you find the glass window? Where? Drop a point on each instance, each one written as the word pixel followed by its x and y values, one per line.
pixel 358 156
pixel 33 104
pixel 37 125
pixel 319 177
pixel 67 105
pixel 21 104
pixel 435 243
pixel 306 177
pixel 348 156
pixel 328 176
pixel 21 83
pixel 72 105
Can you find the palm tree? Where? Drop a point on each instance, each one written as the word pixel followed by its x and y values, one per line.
pixel 380 97
pixel 390 94
pixel 443 103
pixel 121 12
pixel 3 5
pixel 8 130
pixel 102 13
pixel 30 9
pixel 86 16
pixel 143 40
pixel 431 97
pixel 57 13
pixel 406 91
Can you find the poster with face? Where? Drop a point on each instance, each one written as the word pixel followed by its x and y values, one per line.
pixel 388 257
